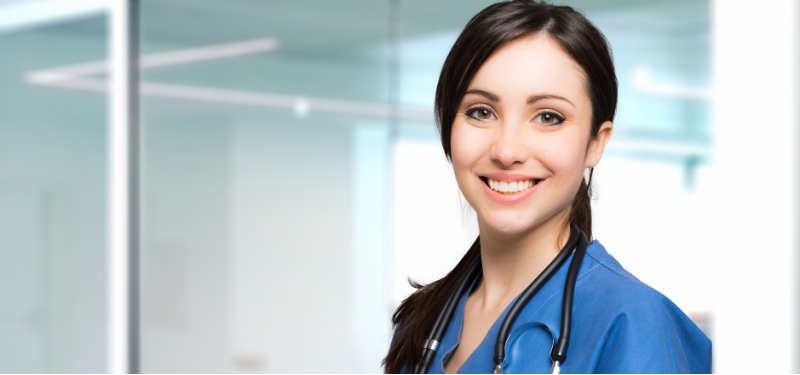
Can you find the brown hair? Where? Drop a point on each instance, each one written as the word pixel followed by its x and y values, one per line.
pixel 493 27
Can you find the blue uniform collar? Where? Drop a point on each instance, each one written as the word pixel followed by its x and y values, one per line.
pixel 543 311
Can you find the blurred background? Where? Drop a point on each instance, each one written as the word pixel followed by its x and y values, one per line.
pixel 292 178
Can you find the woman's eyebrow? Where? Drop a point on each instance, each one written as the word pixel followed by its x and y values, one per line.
pixel 536 98
pixel 485 94
pixel 531 100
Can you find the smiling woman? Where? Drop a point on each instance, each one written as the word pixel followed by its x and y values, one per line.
pixel 524 105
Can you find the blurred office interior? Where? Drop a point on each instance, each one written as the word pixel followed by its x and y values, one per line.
pixel 292 177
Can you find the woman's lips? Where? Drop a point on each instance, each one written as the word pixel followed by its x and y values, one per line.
pixel 509 177
pixel 509 198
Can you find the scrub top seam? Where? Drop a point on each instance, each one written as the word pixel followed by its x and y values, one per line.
pixel 606 266
pixel 666 330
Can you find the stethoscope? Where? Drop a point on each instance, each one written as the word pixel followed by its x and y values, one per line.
pixel 558 353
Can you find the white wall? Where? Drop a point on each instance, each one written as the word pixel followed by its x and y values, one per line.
pixel 432 229
pixel 294 258
pixel 370 255
pixel 655 227
pixel 755 139
pixel 184 257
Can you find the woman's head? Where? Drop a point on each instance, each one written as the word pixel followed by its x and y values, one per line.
pixel 528 92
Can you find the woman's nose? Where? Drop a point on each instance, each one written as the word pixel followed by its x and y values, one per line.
pixel 509 147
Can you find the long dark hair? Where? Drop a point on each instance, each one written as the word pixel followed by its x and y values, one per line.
pixel 493 27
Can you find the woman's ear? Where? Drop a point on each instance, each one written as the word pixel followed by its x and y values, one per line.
pixel 598 144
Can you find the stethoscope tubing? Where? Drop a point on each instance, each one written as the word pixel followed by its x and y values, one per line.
pixel 446 314
pixel 558 353
pixel 529 293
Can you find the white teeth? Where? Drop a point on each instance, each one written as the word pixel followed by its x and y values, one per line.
pixel 510 187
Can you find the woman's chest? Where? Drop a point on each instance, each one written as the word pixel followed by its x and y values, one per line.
pixel 528 348
pixel 476 325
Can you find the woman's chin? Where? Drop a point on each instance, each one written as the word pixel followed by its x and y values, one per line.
pixel 507 225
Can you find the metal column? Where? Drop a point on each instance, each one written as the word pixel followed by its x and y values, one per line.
pixel 123 188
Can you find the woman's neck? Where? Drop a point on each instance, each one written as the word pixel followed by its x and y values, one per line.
pixel 512 261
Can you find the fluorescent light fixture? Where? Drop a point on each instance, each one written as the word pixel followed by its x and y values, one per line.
pixel 80 77
pixel 301 105
pixel 26 14
pixel 177 57
pixel 220 51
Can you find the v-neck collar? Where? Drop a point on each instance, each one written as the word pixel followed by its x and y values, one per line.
pixel 535 311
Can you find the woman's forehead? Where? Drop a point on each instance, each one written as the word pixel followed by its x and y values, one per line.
pixel 529 66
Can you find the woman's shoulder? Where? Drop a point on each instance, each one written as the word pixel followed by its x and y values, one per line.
pixel 636 318
pixel 605 277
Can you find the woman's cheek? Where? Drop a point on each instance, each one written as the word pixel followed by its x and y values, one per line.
pixel 562 156
pixel 562 159
pixel 468 145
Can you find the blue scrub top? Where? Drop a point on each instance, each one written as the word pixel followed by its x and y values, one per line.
pixel 619 325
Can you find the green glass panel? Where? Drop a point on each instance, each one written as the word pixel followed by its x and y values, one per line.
pixel 52 201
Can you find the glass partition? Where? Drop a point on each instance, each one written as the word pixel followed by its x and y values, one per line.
pixel 52 189
pixel 265 147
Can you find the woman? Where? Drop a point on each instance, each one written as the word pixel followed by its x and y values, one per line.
pixel 524 106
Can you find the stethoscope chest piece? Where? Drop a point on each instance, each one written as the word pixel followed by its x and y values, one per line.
pixel 556 369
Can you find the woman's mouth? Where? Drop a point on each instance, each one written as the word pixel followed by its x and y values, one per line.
pixel 510 192
pixel 504 187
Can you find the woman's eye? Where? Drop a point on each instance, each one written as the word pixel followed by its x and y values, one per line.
pixel 480 113
pixel 550 118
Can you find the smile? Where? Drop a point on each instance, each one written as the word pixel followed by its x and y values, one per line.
pixel 510 187
pixel 507 188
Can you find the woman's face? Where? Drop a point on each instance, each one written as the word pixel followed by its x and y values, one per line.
pixel 521 137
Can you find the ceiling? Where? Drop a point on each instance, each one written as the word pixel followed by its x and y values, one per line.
pixel 329 27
